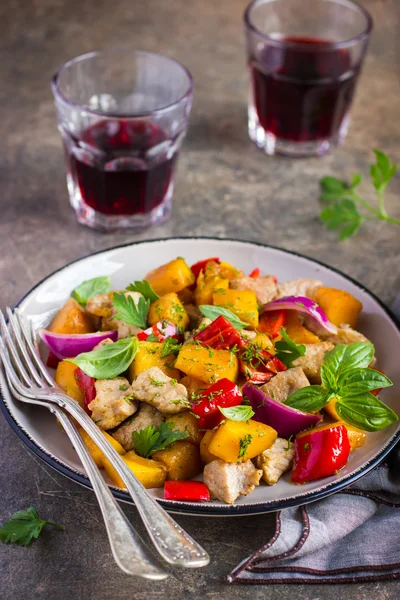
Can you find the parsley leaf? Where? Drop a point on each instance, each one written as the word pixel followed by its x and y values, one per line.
pixel 212 312
pixel 90 288
pixel 288 350
pixel 239 413
pixel 170 346
pixel 129 312
pixel 144 288
pixel 342 201
pixel 24 527
pixel 109 361
pixel 151 438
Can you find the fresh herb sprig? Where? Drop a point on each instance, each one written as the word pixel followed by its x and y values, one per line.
pixel 342 201
pixel 239 413
pixel 130 312
pixel 244 443
pixel 144 288
pixel 346 377
pixel 24 527
pixel 212 312
pixel 151 438
pixel 109 361
pixel 170 346
pixel 92 287
pixel 287 350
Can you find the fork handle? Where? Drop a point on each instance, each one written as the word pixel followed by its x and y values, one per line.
pixel 129 550
pixel 173 543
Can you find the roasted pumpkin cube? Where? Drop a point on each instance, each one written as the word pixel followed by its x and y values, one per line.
pixel 171 277
pixel 243 303
pixel 95 451
pixel 149 355
pixel 168 308
pixel 187 423
pixel 263 341
pixel 65 378
pixel 205 454
pixel 229 271
pixel 296 330
pixel 181 459
pixel 339 306
pixel 207 364
pixel 150 473
pixel 357 438
pixel 206 286
pixel 239 441
pixel 331 410
pixel 71 318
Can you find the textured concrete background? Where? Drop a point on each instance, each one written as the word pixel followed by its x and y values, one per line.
pixel 225 187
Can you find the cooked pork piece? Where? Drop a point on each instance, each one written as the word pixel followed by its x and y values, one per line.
pixel 285 383
pixel 156 388
pixel 265 288
pixel 228 481
pixel 312 361
pixel 100 305
pixel 113 402
pixel 345 335
pixel 203 323
pixel 247 334
pixel 146 415
pixel 298 287
pixel 275 460
pixel 103 343
pixel 124 329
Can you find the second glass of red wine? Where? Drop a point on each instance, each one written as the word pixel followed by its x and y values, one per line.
pixel 304 58
pixel 122 115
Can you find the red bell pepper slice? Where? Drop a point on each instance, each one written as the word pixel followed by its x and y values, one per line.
pixel 160 330
pixel 191 491
pixel 220 335
pixel 52 361
pixel 271 322
pixel 223 393
pixel 258 365
pixel 201 265
pixel 86 385
pixel 320 452
pixel 255 273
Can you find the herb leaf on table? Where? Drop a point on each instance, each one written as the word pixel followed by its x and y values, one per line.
pixel 342 202
pixel 24 527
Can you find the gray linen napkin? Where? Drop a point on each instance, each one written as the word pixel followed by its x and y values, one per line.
pixel 350 537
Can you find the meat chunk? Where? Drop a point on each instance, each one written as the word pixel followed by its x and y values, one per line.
pixel 193 385
pixel 345 335
pixel 285 383
pixel 113 402
pixel 265 288
pixel 159 390
pixel 228 481
pixel 103 343
pixel 298 287
pixel 275 460
pixel 100 305
pixel 312 361
pixel 147 415
pixel 109 322
pixel 203 323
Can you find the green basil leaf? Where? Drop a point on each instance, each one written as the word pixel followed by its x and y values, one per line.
pixel 365 412
pixel 328 377
pixel 90 288
pixel 345 357
pixel 212 312
pixel 311 398
pixel 242 412
pixel 358 381
pixel 109 361
pixel 287 350
pixel 144 288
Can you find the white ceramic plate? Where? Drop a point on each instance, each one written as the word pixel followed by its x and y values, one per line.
pixel 38 428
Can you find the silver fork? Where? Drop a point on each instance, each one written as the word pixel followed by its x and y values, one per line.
pixel 172 542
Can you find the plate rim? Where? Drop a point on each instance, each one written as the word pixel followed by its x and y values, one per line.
pixel 192 508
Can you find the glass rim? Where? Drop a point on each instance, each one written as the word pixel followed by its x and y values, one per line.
pixel 80 58
pixel 323 46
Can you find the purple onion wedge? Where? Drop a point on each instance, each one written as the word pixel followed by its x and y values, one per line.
pixel 285 420
pixel 315 318
pixel 69 345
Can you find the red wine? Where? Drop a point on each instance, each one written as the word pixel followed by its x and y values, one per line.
pixel 302 95
pixel 118 169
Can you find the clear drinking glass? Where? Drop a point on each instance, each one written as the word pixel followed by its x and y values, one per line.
pixel 122 115
pixel 304 59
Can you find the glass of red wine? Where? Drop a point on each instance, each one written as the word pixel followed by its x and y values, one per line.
pixel 304 58
pixel 122 116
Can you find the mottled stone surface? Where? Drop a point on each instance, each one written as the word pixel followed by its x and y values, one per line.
pixel 225 187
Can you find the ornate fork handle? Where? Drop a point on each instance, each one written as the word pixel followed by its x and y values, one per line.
pixel 174 545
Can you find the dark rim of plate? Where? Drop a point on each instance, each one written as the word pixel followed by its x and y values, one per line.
pixel 206 509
